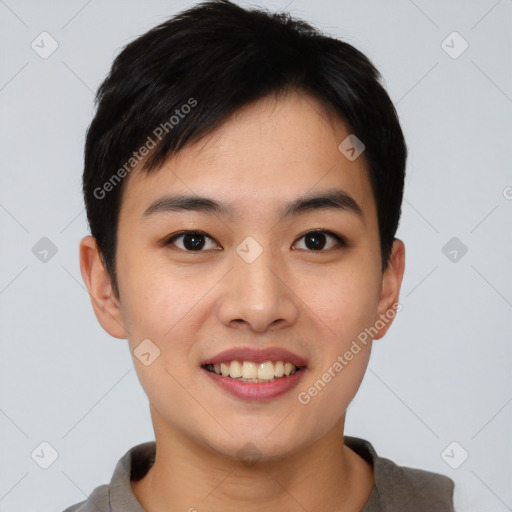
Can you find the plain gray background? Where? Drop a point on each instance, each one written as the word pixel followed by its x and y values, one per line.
pixel 442 373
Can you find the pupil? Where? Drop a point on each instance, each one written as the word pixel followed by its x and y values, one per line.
pixel 193 241
pixel 316 244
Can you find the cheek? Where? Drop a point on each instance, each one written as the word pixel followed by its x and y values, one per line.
pixel 325 397
pixel 162 306
pixel 347 304
pixel 155 299
pixel 344 308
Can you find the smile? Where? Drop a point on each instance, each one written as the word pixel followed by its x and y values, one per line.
pixel 250 371
pixel 255 373
pixel 255 388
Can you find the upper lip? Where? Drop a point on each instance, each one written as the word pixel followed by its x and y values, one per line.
pixel 256 355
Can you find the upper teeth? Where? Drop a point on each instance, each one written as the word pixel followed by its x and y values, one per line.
pixel 250 370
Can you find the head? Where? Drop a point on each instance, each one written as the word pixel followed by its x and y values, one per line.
pixel 291 234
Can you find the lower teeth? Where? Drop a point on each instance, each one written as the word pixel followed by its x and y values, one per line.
pixel 241 379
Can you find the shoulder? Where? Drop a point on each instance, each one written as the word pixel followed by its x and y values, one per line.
pixel 426 490
pixel 97 500
pixel 398 486
pixel 117 496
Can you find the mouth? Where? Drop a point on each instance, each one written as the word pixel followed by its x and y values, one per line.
pixel 252 374
pixel 250 371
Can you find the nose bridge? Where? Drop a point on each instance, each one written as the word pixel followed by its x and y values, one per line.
pixel 256 271
pixel 256 280
pixel 256 292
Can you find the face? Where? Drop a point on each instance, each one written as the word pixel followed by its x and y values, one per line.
pixel 253 277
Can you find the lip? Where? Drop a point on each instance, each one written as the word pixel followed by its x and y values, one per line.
pixel 257 390
pixel 257 356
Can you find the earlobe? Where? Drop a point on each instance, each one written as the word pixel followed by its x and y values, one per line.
pixel 104 302
pixel 391 284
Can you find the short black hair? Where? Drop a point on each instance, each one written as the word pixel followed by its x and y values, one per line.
pixel 183 78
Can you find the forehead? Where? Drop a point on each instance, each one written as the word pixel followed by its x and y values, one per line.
pixel 267 153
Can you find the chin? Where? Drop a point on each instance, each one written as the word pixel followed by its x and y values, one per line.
pixel 252 445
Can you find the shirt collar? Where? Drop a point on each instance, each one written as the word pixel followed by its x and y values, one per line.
pixel 394 484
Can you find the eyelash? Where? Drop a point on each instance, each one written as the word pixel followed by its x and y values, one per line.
pixel 341 240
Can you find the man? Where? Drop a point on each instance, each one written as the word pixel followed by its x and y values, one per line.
pixel 243 182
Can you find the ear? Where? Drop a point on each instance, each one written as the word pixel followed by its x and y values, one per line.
pixel 391 283
pixel 104 302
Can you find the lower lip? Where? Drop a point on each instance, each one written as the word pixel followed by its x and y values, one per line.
pixel 257 390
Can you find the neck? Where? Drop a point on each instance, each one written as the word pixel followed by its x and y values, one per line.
pixel 325 476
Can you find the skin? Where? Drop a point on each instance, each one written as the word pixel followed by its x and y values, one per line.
pixel 193 305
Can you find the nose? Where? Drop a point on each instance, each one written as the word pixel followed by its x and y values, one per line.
pixel 259 295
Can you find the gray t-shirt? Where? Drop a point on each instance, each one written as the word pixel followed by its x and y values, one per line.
pixel 397 488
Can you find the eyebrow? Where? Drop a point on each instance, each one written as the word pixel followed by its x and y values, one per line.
pixel 332 199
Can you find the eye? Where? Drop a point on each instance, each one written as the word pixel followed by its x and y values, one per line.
pixel 193 241
pixel 316 240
